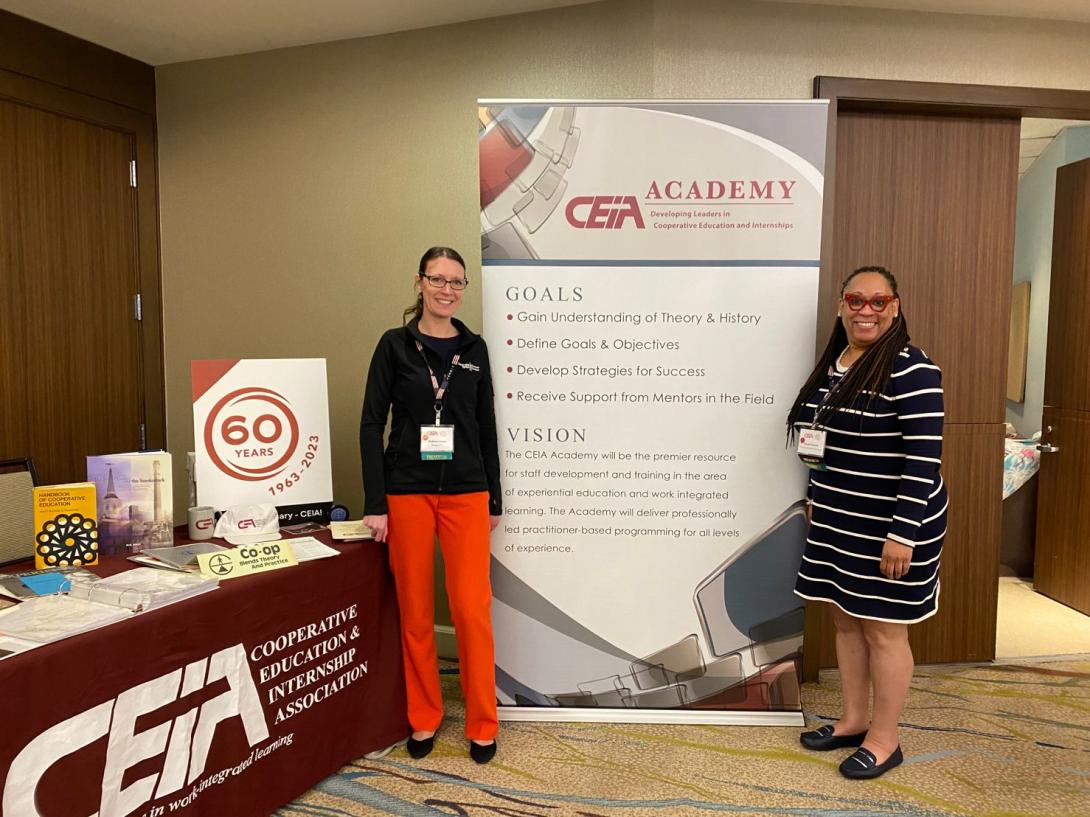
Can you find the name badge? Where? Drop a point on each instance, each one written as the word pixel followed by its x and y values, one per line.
pixel 436 442
pixel 811 448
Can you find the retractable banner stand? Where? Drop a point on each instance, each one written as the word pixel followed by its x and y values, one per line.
pixel 650 288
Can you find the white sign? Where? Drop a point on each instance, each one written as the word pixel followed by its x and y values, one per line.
pixel 261 431
pixel 650 285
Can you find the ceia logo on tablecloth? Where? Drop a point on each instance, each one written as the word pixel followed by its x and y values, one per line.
pixel 251 433
pixel 186 746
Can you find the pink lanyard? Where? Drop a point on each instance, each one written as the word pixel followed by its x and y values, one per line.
pixel 440 389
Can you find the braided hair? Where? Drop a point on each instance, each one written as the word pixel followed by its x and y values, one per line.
pixel 869 375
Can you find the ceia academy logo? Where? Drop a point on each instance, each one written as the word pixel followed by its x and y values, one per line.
pixel 603 212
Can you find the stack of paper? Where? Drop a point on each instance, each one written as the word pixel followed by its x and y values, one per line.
pixel 143 588
pixel 10 646
pixel 51 618
pixel 306 548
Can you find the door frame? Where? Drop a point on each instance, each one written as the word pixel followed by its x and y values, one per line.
pixel 44 68
pixel 932 98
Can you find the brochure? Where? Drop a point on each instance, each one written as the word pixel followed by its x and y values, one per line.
pixel 31 583
pixel 307 548
pixel 349 531
pixel 182 557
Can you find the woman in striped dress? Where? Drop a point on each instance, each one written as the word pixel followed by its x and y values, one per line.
pixel 869 419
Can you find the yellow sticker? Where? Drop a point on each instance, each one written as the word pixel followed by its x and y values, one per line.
pixel 246 559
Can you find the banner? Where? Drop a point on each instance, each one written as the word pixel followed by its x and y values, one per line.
pixel 650 289
pixel 261 431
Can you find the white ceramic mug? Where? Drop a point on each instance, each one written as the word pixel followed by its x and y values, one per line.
pixel 202 521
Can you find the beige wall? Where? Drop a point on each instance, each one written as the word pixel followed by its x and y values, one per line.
pixel 772 50
pixel 298 187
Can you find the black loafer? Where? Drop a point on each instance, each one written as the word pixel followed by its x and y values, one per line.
pixel 482 753
pixel 420 748
pixel 822 739
pixel 863 765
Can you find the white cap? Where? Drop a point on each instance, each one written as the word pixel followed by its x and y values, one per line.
pixel 247 524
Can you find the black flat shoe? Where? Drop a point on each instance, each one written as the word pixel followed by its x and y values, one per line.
pixel 863 765
pixel 482 754
pixel 420 748
pixel 822 739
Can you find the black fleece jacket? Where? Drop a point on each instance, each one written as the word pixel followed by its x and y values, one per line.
pixel 398 377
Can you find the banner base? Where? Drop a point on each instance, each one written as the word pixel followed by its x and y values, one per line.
pixel 565 714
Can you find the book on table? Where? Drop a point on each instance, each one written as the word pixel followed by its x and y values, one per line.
pixel 65 525
pixel 181 557
pixel 135 500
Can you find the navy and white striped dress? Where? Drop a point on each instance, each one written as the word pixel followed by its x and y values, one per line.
pixel 883 481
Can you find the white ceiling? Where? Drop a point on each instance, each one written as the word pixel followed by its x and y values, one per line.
pixel 165 31
pixel 1072 10
pixel 1037 134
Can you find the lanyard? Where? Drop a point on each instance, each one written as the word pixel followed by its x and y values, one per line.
pixel 825 399
pixel 440 389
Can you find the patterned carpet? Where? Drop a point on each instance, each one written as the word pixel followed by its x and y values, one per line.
pixel 1000 741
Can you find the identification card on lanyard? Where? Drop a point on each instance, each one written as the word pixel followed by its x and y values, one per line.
pixel 437 441
pixel 811 448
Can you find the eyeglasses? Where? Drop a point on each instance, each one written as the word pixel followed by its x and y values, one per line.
pixel 438 281
pixel 878 303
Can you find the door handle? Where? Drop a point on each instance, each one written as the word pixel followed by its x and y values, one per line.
pixel 1047 448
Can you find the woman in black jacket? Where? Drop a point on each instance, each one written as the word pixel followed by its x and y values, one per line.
pixel 439 475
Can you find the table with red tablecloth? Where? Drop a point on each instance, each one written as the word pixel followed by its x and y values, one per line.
pixel 230 703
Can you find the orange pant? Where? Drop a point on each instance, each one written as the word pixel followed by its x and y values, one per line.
pixel 461 520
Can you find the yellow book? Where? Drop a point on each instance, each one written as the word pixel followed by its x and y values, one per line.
pixel 66 526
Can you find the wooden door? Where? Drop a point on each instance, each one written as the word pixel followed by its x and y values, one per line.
pixel 70 355
pixel 1062 569
pixel 932 197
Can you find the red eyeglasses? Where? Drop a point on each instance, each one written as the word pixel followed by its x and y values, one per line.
pixel 878 303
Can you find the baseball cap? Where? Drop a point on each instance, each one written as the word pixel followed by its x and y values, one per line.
pixel 247 524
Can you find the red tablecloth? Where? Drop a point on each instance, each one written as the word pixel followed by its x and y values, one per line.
pixel 230 703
